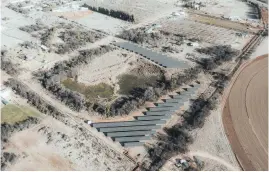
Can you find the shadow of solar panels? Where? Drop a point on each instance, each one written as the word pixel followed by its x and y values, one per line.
pixel 132 144
pixel 178 100
pixel 169 104
pixel 157 109
pixel 134 133
pixel 150 117
pixel 158 113
pixel 158 58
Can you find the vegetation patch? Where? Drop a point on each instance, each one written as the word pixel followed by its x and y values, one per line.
pixel 12 113
pixel 128 82
pixel 91 93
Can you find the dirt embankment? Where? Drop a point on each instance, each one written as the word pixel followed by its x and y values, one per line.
pixel 245 115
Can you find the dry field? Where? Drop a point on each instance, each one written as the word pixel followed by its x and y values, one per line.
pixel 206 33
pixel 142 10
pixel 51 145
pixel 234 9
pixel 245 115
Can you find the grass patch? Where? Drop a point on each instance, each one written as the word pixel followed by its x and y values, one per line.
pixel 91 93
pixel 127 82
pixel 12 113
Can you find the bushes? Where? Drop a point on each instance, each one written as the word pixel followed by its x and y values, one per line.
pixel 8 129
pixel 34 99
pixel 208 63
pixel 51 79
pixel 17 8
pixel 7 66
pixel 174 140
pixel 7 158
pixel 219 54
pixel 184 78
pixel 139 36
pixel 33 28
pixel 198 111
pixel 74 39
pixel 116 14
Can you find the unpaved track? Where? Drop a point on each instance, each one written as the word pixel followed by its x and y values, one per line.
pixel 245 115
pixel 214 158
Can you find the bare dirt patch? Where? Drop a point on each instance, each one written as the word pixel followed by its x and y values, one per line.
pixel 246 108
pixel 51 145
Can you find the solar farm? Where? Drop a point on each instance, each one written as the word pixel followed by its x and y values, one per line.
pixel 127 85
pixel 136 132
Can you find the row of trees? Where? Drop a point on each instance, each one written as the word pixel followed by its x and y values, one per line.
pixel 35 100
pixel 116 14
pixel 139 36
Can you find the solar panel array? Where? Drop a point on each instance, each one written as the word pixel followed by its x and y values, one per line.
pixel 160 59
pixel 136 132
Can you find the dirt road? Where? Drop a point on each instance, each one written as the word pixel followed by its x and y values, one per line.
pixel 214 158
pixel 245 115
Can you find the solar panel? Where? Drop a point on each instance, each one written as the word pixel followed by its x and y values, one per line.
pixel 132 144
pixel 130 128
pixel 153 56
pixel 167 104
pixel 159 113
pixel 131 139
pixel 156 109
pixel 130 133
pixel 126 123
pixel 149 117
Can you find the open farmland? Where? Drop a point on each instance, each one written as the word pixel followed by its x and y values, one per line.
pixel 246 113
pixel 207 33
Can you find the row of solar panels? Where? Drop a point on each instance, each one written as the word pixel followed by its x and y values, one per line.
pixel 134 133
pixel 160 59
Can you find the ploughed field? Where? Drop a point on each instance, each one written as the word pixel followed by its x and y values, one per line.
pixel 245 115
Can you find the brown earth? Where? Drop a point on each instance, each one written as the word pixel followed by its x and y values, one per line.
pixel 245 115
pixel 264 15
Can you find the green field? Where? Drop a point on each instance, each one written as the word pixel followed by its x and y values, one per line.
pixel 12 113
pixel 91 93
pixel 127 82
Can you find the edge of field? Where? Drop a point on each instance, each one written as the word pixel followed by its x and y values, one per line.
pixel 230 132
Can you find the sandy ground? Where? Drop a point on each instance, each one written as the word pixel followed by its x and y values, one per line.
pixel 10 34
pixel 227 9
pixel 97 20
pixel 51 145
pixel 261 49
pixel 213 136
pixel 207 33
pixel 246 115
pixel 116 63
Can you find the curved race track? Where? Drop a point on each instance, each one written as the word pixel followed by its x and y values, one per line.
pixel 245 115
